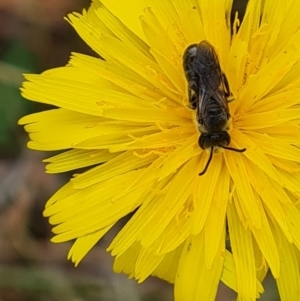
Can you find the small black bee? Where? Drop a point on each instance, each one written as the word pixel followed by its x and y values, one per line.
pixel 208 93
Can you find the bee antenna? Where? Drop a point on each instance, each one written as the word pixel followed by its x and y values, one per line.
pixel 234 149
pixel 208 162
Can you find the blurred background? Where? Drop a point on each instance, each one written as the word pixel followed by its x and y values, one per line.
pixel 34 37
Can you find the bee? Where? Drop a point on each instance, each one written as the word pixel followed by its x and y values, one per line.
pixel 208 94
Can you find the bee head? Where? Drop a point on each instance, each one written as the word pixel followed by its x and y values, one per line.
pixel 215 141
pixel 220 139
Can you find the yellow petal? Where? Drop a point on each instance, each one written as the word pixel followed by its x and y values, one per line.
pixel 256 155
pixel 75 129
pixel 275 147
pixel 126 161
pixel 127 14
pixel 270 197
pixel 174 199
pixel 293 220
pixel 95 207
pixel 113 73
pixel 267 119
pixel 277 101
pixel 174 160
pixel 60 195
pixel 194 281
pixel 266 242
pixel 216 217
pixel 229 275
pixel 126 262
pixel 167 269
pixel 288 281
pixel 237 169
pixel 135 226
pixel 267 77
pixel 176 232
pixel 121 31
pixel 242 250
pixel 145 67
pixel 235 66
pixel 251 21
pixel 203 190
pixel 189 10
pixel 76 158
pixel 146 263
pixel 84 244
pixel 217 12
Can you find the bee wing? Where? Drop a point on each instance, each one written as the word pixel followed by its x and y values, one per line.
pixel 212 80
pixel 207 99
pixel 206 65
pixel 203 104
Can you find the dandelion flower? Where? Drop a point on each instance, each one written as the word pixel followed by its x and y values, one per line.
pixel 123 116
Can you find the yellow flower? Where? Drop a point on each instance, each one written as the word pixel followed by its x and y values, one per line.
pixel 125 116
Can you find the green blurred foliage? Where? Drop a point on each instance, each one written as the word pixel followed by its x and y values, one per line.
pixel 14 61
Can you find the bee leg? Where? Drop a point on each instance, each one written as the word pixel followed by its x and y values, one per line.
pixel 230 97
pixel 227 89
